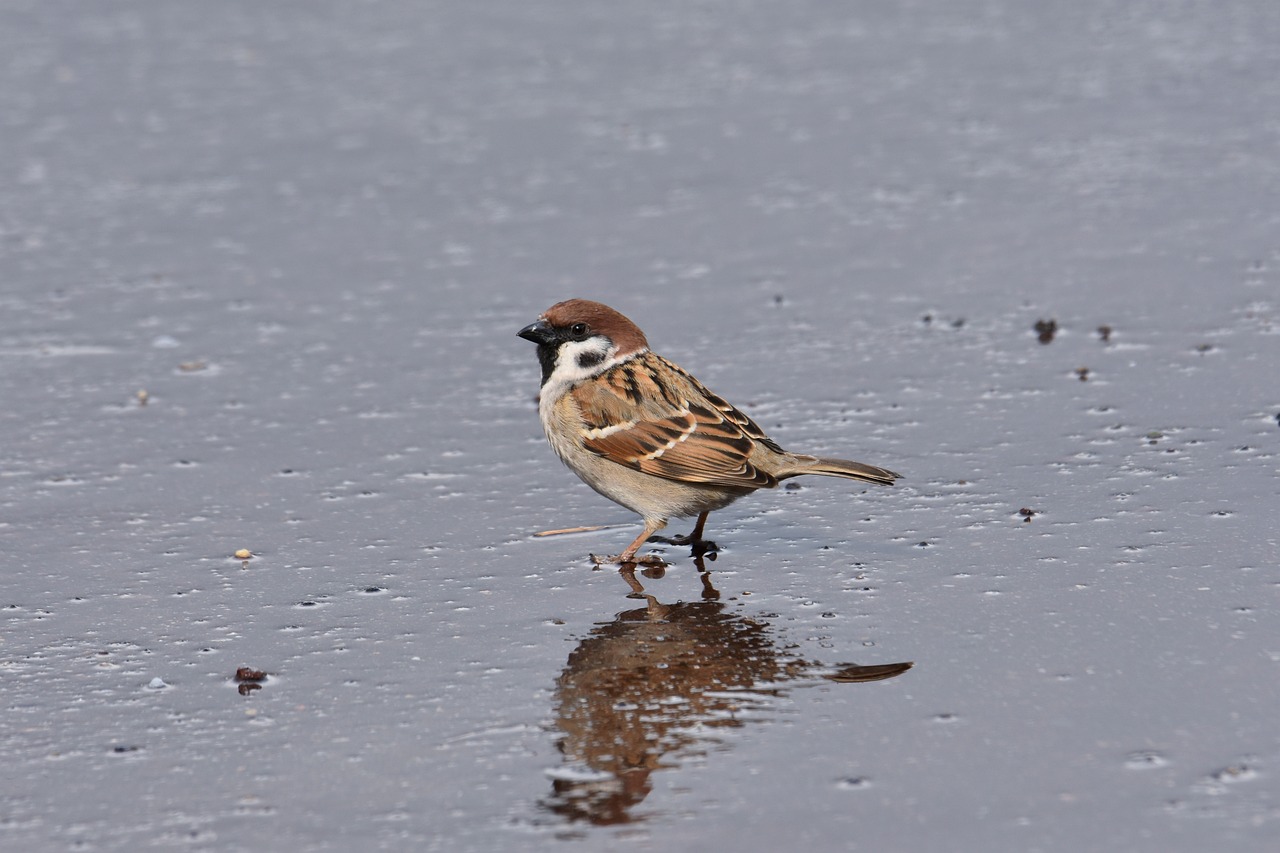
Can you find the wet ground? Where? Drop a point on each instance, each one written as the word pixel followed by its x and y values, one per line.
pixel 261 269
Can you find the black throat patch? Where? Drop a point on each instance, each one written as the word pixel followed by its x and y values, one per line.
pixel 547 358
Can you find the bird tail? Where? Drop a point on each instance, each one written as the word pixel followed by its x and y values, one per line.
pixel 839 468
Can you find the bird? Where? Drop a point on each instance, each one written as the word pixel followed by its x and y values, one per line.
pixel 646 434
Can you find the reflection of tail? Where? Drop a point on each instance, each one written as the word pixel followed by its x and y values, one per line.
pixel 839 468
pixel 852 673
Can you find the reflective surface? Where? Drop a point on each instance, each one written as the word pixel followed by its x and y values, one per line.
pixel 654 688
pixel 260 264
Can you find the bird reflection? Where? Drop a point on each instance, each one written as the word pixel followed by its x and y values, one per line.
pixel 654 687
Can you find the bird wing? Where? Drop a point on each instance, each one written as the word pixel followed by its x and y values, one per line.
pixel 648 414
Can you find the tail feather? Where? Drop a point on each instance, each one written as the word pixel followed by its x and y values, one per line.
pixel 840 468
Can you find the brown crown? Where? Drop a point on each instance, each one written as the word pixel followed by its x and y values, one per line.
pixel 601 320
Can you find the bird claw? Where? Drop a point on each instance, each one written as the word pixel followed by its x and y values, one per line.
pixel 638 560
pixel 698 547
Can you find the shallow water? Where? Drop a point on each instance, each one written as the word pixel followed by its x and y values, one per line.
pixel 261 269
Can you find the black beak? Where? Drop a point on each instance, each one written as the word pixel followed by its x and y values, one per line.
pixel 540 333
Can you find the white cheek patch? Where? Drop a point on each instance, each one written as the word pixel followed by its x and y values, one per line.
pixel 576 361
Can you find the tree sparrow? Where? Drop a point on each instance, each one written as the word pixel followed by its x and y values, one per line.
pixel 645 434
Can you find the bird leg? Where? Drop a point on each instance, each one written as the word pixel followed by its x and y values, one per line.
pixel 699 545
pixel 628 557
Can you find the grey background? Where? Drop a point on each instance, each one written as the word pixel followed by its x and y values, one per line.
pixel 309 231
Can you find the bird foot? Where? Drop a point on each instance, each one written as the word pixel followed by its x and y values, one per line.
pixel 699 547
pixel 637 560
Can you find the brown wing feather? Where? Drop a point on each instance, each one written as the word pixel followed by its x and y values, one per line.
pixel 660 420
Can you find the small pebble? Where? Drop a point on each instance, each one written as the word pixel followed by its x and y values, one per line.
pixel 853 783
pixel 1045 330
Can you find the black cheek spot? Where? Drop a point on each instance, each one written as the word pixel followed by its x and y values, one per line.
pixel 587 360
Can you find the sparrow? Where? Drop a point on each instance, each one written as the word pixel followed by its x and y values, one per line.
pixel 644 433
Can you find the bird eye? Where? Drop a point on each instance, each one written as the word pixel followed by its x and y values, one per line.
pixel 578 330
